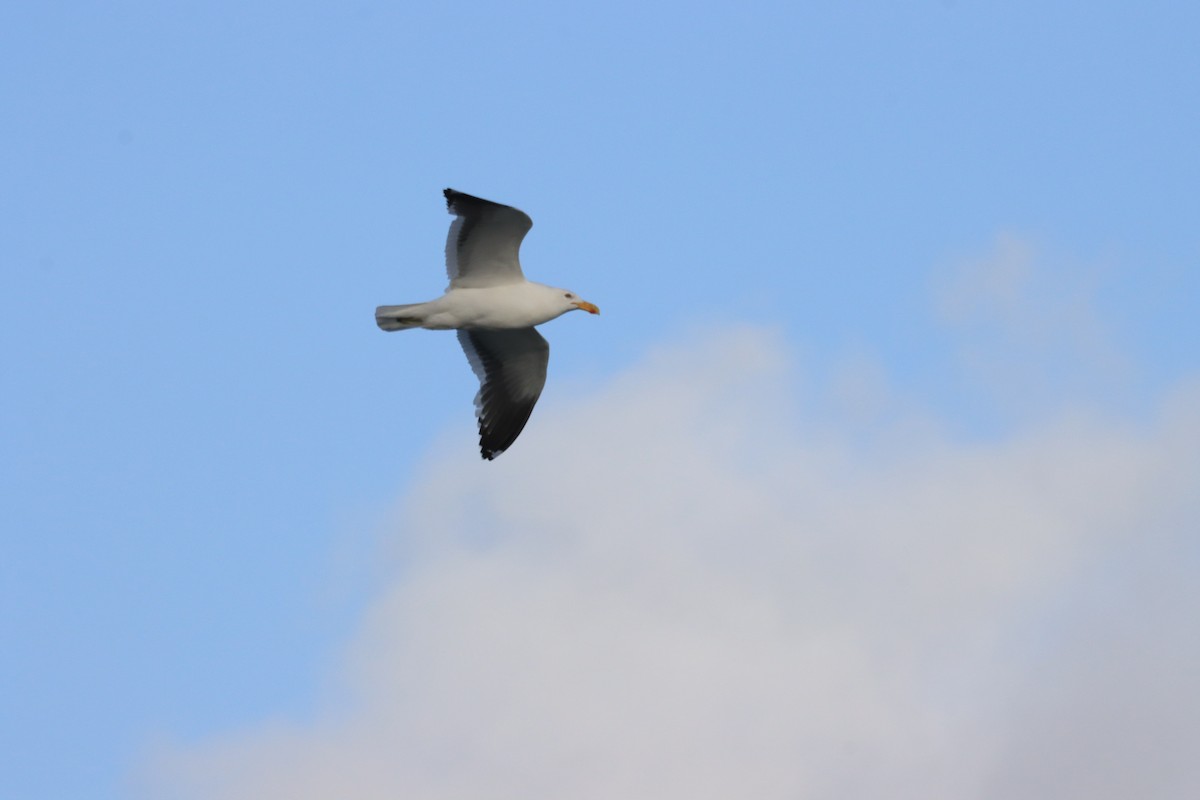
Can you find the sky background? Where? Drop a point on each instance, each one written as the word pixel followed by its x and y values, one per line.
pixel 875 477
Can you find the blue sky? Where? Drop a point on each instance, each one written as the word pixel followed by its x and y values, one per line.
pixel 942 227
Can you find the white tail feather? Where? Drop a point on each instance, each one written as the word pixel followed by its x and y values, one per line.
pixel 399 318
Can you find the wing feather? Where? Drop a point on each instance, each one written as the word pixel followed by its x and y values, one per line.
pixel 484 242
pixel 511 367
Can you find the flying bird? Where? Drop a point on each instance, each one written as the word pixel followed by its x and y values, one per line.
pixel 494 309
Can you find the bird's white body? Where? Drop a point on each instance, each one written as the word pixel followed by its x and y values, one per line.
pixel 514 305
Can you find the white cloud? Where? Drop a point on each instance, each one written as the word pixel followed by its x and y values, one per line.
pixel 687 586
pixel 1028 329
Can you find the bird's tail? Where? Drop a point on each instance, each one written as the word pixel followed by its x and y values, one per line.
pixel 398 318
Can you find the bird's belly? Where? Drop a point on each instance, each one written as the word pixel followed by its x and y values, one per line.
pixel 488 308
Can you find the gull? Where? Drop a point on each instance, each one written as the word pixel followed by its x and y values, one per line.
pixel 494 309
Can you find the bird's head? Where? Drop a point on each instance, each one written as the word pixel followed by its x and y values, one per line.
pixel 573 302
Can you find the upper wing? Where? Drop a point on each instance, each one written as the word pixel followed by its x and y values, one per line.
pixel 511 367
pixel 482 247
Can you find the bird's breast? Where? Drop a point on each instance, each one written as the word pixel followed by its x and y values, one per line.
pixel 516 306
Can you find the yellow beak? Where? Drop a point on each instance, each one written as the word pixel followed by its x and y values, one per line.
pixel 588 307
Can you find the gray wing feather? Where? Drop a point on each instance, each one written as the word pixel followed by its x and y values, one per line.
pixel 511 367
pixel 484 240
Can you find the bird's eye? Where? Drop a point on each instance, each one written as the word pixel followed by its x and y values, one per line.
pixel 568 295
